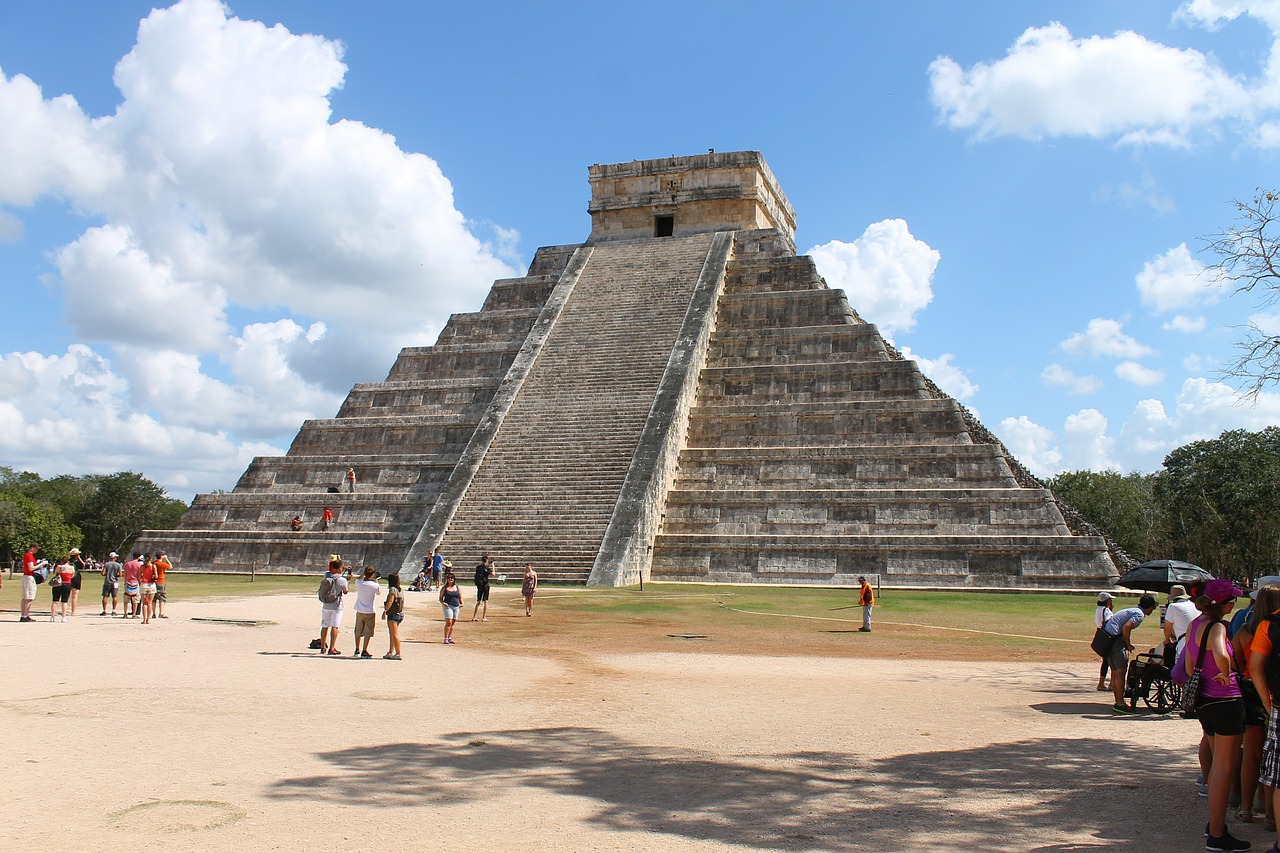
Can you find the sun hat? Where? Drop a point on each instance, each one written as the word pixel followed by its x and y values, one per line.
pixel 1178 592
pixel 1268 580
pixel 1221 590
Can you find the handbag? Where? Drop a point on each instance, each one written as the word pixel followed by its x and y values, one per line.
pixel 1190 704
pixel 1103 642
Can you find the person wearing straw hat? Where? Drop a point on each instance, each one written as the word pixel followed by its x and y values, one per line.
pixel 1101 614
pixel 1178 615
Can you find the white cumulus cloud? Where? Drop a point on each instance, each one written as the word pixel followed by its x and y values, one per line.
pixel 1137 374
pixel 1085 442
pixel 1123 86
pixel 1057 375
pixel 1182 323
pixel 945 374
pixel 1176 280
pixel 887 273
pixel 1031 444
pixel 246 257
pixel 1105 337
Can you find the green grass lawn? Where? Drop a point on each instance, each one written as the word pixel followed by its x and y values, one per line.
pixel 956 623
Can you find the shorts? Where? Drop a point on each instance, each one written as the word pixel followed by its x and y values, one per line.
pixel 76 580
pixel 1269 772
pixel 1222 716
pixel 28 588
pixel 396 618
pixel 1119 657
pixel 109 589
pixel 365 623
pixel 148 589
pixel 482 592
pixel 161 595
pixel 330 618
pixel 449 611
pixel 61 593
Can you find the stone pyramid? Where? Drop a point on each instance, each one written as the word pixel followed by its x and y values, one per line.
pixel 681 397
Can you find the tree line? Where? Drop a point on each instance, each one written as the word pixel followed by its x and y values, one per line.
pixel 1215 503
pixel 97 513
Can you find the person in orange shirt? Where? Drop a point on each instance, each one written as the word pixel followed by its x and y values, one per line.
pixel 867 599
pixel 1264 667
pixel 326 519
pixel 162 565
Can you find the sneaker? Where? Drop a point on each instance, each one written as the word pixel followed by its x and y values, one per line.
pixel 1226 841
pixel 1121 709
pixel 103 613
pixel 64 619
pixel 1201 788
pixel 395 657
pixel 388 656
pixel 356 653
pixel 365 655
pixel 865 630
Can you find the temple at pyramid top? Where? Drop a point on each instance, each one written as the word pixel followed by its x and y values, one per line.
pixel 677 397
pixel 679 196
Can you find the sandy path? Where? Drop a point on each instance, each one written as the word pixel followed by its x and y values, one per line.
pixel 190 735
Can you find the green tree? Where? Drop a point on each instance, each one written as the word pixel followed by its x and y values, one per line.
pixel 121 507
pixel 1123 506
pixel 1220 497
pixel 24 522
pixel 1249 259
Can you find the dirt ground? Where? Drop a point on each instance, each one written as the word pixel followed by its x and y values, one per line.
pixel 528 734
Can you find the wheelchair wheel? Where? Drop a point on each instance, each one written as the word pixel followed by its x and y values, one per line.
pixel 1163 696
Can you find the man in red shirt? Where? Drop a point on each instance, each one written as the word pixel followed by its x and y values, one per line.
pixel 326 519
pixel 28 582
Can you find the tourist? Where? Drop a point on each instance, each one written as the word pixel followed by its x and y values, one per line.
pixel 351 481
pixel 131 571
pixel 437 567
pixel 77 563
pixel 1264 668
pixel 1266 600
pixel 162 565
pixel 1220 707
pixel 867 599
pixel 484 573
pixel 60 585
pixel 110 582
pixel 295 523
pixel 393 612
pixel 1178 616
pixel 1119 626
pixel 528 587
pixel 332 588
pixel 326 519
pixel 367 591
pixel 147 586
pixel 28 583
pixel 451 604
pixel 1101 614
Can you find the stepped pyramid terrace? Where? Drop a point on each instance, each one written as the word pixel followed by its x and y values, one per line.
pixel 681 397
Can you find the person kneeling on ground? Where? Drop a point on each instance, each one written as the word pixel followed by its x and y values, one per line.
pixel 1119 627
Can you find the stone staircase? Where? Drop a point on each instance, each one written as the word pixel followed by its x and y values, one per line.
pixel 815 454
pixel 402 436
pixel 546 490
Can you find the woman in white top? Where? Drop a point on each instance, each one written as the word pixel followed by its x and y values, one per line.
pixel 1180 613
pixel 1100 617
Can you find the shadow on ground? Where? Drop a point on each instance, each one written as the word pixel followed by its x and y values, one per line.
pixel 1007 796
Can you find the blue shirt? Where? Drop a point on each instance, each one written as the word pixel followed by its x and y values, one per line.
pixel 1123 617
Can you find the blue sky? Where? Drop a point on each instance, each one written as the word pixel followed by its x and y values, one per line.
pixel 215 218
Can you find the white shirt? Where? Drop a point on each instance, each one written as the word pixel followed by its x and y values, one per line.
pixel 366 593
pixel 1180 614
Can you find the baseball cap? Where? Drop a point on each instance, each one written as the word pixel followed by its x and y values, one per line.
pixel 1104 597
pixel 1221 590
